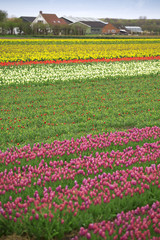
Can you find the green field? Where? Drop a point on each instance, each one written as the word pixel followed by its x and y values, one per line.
pixel 44 112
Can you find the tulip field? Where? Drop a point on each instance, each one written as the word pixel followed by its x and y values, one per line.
pixel 70 49
pixel 80 139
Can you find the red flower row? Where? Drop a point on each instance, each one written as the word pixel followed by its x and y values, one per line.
pixel 80 60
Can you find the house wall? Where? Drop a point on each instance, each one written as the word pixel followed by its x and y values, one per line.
pixel 86 28
pixel 110 29
pixel 39 18
pixel 95 30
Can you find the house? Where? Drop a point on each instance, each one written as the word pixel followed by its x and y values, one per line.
pixel 27 19
pixel 80 28
pixel 48 23
pixel 110 29
pixel 49 19
pixel 96 26
pixel 133 29
pixel 89 25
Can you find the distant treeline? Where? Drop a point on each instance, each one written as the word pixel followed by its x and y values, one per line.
pixel 147 25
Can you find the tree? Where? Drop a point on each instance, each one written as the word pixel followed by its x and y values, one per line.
pixel 40 28
pixel 56 29
pixel 3 15
pixel 67 29
pixel 2 27
pixel 23 27
pixel 10 25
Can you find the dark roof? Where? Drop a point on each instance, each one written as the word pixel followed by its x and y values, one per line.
pixel 94 24
pixel 53 19
pixel 66 20
pixel 27 19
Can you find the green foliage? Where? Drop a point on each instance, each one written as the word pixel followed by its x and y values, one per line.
pixel 147 25
pixel 3 15
pixel 45 112
pixel 8 26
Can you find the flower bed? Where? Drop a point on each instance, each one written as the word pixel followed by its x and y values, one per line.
pixel 80 139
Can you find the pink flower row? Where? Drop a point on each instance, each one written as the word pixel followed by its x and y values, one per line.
pixel 91 191
pixel 135 224
pixel 87 166
pixel 78 146
pixel 80 183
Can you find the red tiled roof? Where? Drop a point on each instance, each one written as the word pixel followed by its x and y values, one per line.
pixel 53 19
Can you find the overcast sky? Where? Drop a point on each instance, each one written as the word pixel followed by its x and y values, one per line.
pixel 129 9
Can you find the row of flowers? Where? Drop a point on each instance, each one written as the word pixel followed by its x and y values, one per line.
pixel 37 188
pixel 62 171
pixel 68 72
pixel 77 40
pixel 79 146
pixel 135 224
pixel 79 61
pixel 82 49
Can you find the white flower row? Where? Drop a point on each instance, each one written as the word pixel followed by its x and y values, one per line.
pixel 76 71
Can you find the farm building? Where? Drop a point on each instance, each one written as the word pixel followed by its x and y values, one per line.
pixel 133 29
pixel 95 26
pixel 81 27
pixel 110 29
pixel 90 25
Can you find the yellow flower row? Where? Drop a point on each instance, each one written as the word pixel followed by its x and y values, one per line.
pixel 79 40
pixel 39 49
